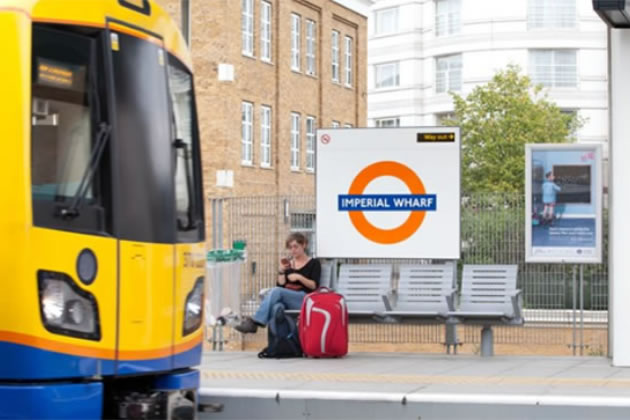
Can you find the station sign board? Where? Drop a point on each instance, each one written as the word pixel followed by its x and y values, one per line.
pixel 388 193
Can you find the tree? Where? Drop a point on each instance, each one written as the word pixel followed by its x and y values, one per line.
pixel 497 120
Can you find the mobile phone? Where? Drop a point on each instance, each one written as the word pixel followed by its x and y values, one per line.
pixel 284 261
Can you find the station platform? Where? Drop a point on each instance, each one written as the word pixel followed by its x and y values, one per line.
pixel 413 386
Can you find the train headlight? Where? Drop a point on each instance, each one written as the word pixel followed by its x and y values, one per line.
pixel 66 308
pixel 193 311
pixel 77 312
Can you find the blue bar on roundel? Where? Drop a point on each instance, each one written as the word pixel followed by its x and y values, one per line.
pixel 387 202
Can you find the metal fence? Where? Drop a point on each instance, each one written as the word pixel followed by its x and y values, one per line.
pixel 562 307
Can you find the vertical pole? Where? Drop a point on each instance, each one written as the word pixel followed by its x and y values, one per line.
pixel 214 223
pixel 619 229
pixel 220 224
pixel 221 338
pixel 487 341
pixel 574 344
pixel 581 309
pixel 185 11
pixel 214 337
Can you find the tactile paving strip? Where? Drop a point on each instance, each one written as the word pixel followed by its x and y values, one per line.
pixel 413 379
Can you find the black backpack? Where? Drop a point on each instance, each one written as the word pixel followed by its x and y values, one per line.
pixel 282 336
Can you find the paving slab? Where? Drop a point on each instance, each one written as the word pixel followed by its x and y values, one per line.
pixel 418 373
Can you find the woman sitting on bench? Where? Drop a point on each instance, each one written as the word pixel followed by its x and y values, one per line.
pixel 299 274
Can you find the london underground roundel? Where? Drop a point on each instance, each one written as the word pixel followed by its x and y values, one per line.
pixel 419 166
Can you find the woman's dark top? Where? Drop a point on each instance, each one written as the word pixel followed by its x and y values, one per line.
pixel 312 270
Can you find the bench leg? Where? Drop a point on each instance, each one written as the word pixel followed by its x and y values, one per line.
pixel 450 337
pixel 487 341
pixel 221 338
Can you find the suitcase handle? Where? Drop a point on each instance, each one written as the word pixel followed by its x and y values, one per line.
pixel 323 289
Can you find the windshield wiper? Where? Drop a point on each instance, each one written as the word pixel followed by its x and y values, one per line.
pixel 102 137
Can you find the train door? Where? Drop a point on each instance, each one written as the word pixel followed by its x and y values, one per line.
pixel 144 201
pixel 190 248
pixel 73 253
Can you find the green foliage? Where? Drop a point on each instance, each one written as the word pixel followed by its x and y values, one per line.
pixel 497 120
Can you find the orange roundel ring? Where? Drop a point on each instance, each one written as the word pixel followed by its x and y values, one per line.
pixel 360 222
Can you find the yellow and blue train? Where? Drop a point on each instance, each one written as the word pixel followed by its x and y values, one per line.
pixel 101 219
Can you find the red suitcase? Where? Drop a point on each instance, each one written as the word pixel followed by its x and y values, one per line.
pixel 324 324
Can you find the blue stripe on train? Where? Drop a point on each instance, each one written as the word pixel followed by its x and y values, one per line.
pixel 188 358
pixel 51 401
pixel 184 359
pixel 25 362
pixel 20 362
pixel 72 400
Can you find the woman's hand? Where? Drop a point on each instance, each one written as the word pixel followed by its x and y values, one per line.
pixel 293 277
pixel 285 264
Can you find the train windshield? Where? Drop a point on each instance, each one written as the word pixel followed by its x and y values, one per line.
pixel 64 135
pixel 61 120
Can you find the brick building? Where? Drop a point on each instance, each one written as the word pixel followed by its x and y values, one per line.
pixel 268 73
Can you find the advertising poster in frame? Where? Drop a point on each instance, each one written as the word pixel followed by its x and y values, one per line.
pixel 563 203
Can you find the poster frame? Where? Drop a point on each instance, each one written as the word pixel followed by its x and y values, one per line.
pixel 596 184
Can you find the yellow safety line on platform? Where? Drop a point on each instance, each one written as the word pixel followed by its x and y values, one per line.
pixel 414 379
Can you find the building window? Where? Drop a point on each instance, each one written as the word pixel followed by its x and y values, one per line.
pixel 247 118
pixel 303 221
pixel 265 31
pixel 447 17
pixel 386 21
pixel 551 14
pixel 311 47
pixel 335 56
pixel 310 144
pixel 387 75
pixel 388 122
pixel 247 27
pixel 295 42
pixel 265 136
pixel 335 124
pixel 348 61
pixel 295 141
pixel 448 75
pixel 553 68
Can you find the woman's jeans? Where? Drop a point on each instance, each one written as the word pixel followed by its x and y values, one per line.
pixel 291 299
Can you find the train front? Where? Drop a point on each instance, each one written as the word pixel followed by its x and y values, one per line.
pixel 102 250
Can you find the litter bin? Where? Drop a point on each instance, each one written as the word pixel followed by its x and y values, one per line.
pixel 223 302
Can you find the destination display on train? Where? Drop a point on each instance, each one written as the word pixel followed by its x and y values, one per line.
pixel 55 74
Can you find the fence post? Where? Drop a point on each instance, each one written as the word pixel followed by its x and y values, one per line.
pixel 219 244
pixel 581 309
pixel 214 223
pixel 574 345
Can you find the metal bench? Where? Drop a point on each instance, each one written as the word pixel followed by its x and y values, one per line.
pixel 425 291
pixel 426 294
pixel 366 288
pixel 489 297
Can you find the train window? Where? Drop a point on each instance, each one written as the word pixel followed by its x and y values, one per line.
pixel 143 155
pixel 188 197
pixel 69 134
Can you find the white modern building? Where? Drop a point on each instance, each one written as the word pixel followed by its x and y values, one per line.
pixel 419 50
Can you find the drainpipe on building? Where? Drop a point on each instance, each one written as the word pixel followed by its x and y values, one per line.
pixel 185 12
